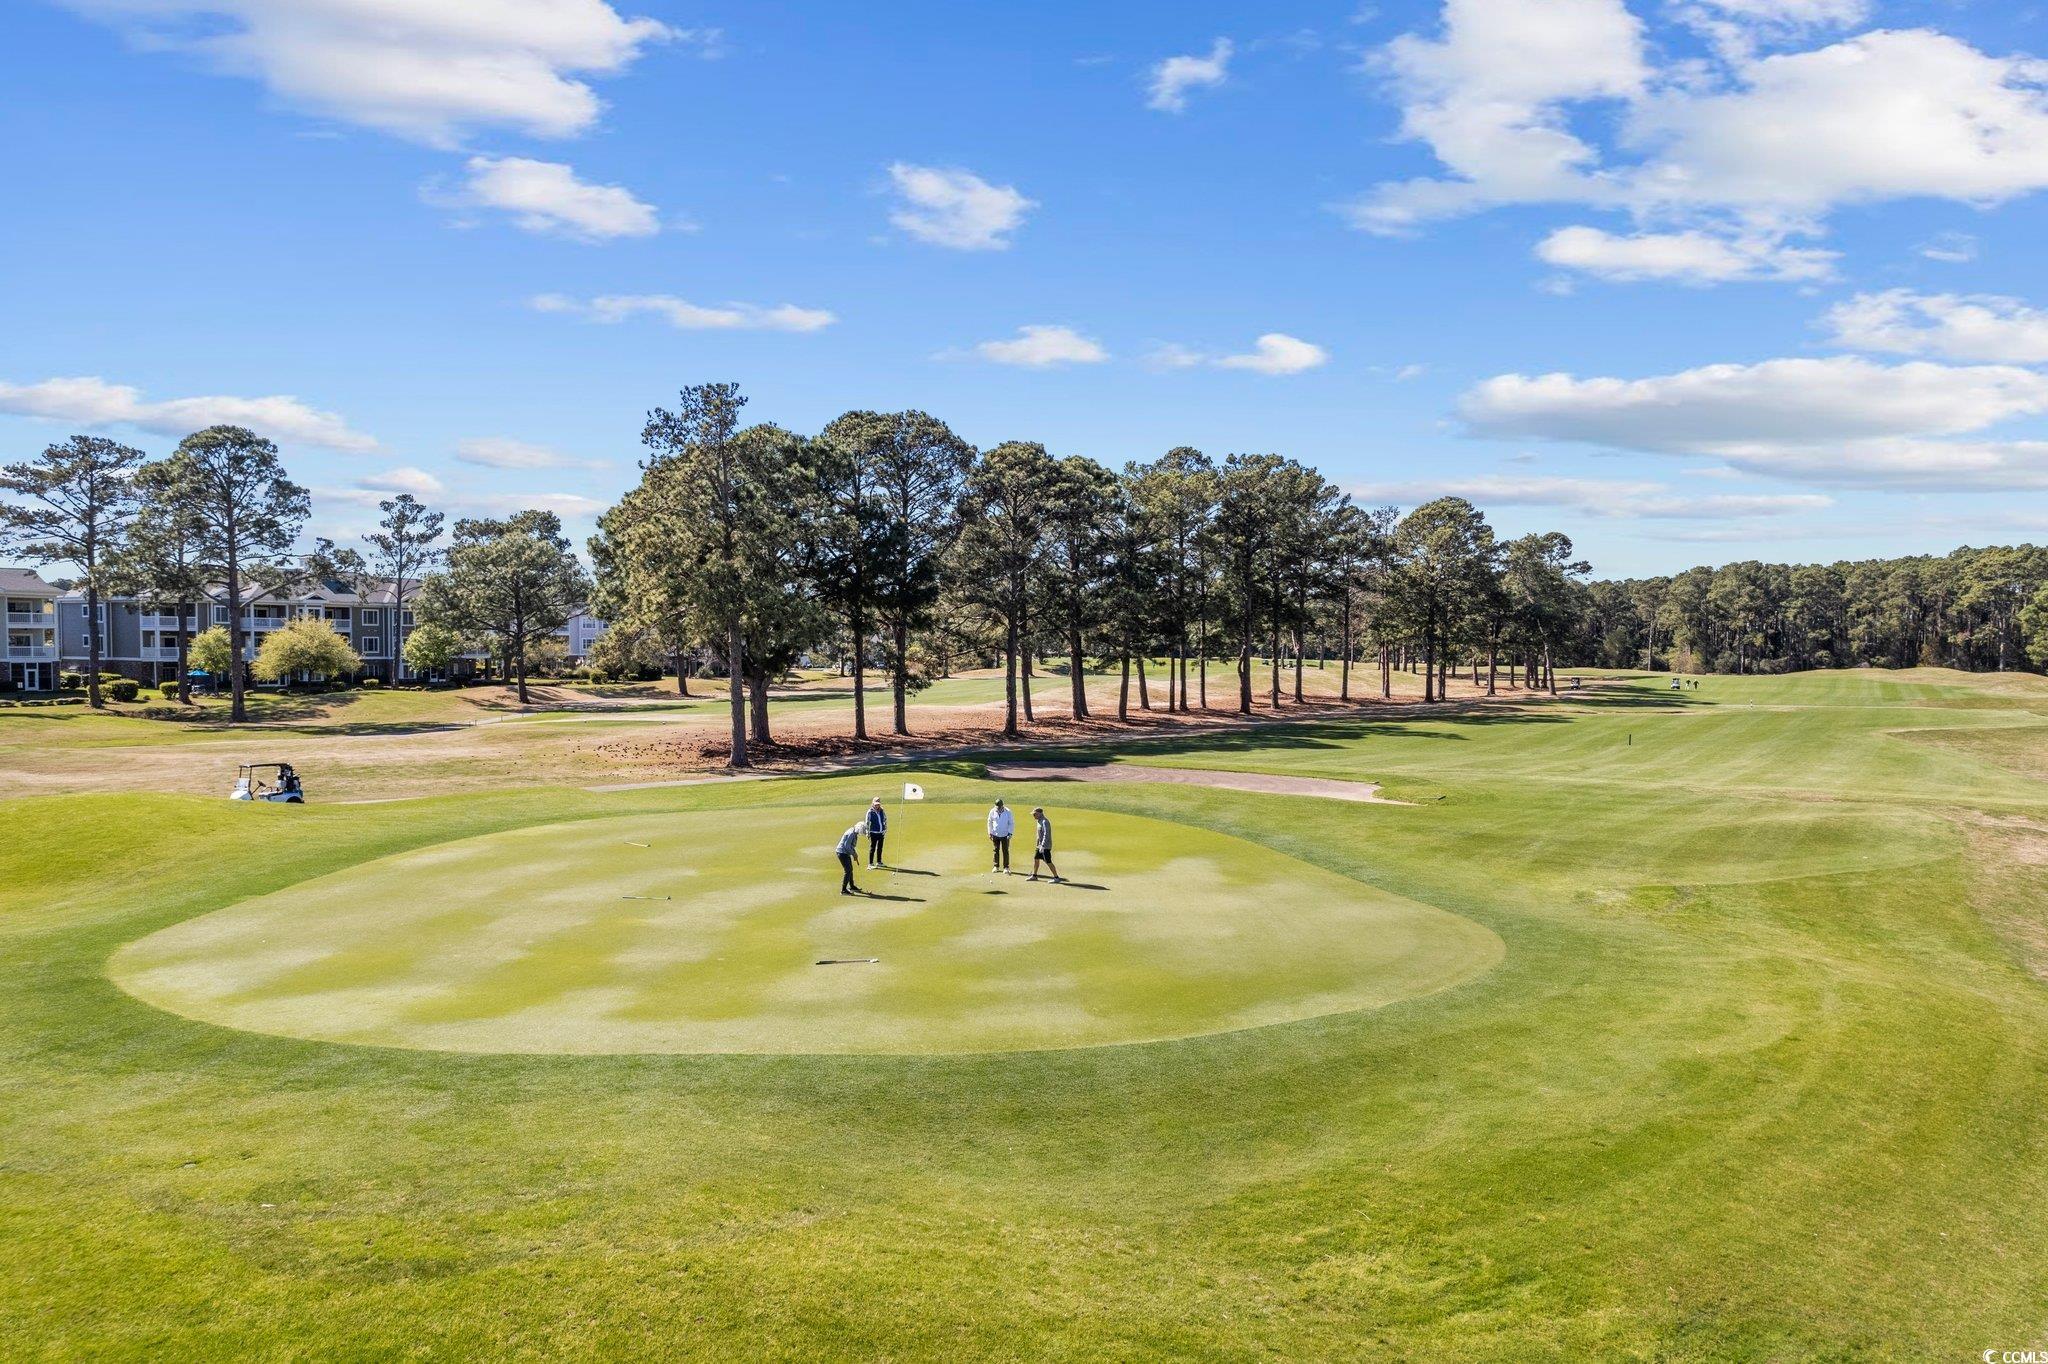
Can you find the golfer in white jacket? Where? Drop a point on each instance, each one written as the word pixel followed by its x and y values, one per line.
pixel 1001 824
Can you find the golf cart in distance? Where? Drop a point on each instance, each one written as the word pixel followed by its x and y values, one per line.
pixel 250 785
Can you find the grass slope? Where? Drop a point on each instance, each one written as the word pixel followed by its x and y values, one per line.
pixel 1757 1077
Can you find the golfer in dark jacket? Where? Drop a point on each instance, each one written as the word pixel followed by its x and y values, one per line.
pixel 878 829
pixel 849 844
pixel 1041 846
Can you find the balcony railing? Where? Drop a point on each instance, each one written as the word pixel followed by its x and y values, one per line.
pixel 31 653
pixel 159 653
pixel 44 619
pixel 152 620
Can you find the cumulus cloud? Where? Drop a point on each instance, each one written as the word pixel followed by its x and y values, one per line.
pixel 504 452
pixel 1688 257
pixel 1042 347
pixel 546 196
pixel 1508 97
pixel 429 70
pixel 1170 81
pixel 1488 97
pixel 1272 353
pixel 956 208
pixel 1953 326
pixel 686 316
pixel 1843 421
pixel 1601 497
pixel 1277 353
pixel 90 401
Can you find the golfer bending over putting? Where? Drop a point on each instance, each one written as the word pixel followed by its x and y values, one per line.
pixel 1001 824
pixel 878 829
pixel 849 844
pixel 1041 847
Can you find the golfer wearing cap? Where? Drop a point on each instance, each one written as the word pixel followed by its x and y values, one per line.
pixel 878 829
pixel 849 844
pixel 1041 846
pixel 1001 824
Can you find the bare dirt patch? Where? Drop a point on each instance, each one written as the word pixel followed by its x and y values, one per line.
pixel 1266 782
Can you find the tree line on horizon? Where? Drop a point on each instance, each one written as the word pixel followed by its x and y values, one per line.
pixel 891 545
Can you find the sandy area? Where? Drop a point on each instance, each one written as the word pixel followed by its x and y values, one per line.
pixel 1267 782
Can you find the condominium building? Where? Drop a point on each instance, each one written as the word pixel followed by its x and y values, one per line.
pixel 49 629
pixel 28 659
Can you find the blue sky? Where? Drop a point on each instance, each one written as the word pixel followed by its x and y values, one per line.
pixel 1692 281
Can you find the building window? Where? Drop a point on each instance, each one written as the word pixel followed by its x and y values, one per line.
pixel 371 616
pixel 372 645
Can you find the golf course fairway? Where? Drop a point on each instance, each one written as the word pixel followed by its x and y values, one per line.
pixel 707 932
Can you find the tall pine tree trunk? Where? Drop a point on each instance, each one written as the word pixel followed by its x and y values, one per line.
pixel 899 682
pixel 735 690
pixel 1077 676
pixel 1009 677
pixel 860 674
pixel 757 679
pixel 188 613
pixel 1144 692
pixel 1344 681
pixel 1123 691
pixel 1299 648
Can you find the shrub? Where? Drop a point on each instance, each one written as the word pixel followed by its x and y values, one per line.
pixel 70 681
pixel 124 689
pixel 165 713
pixel 371 683
pixel 170 690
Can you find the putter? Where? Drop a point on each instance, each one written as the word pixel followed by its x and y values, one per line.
pixel 631 844
pixel 644 897
pixel 846 961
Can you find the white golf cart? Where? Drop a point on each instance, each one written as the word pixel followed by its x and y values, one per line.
pixel 250 784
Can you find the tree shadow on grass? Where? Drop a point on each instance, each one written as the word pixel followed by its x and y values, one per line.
pixel 900 899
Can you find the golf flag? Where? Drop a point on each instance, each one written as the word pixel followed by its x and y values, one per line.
pixel 912 791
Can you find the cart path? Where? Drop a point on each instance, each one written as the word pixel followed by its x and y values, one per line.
pixel 1268 783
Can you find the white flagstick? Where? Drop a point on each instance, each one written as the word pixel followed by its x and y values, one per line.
pixel 912 791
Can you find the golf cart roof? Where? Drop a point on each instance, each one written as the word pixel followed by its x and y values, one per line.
pixel 259 767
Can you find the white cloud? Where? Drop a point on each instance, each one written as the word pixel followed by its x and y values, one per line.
pixel 570 506
pixel 1597 497
pixel 1277 353
pixel 1040 347
pixel 687 316
pixel 1889 114
pixel 404 479
pixel 1488 98
pixel 956 208
pixel 1835 422
pixel 1953 326
pixel 1951 248
pixel 1688 257
pixel 546 196
pixel 1172 79
pixel 430 70
pixel 1738 27
pixel 1272 353
pixel 93 402
pixel 504 452
pixel 1512 99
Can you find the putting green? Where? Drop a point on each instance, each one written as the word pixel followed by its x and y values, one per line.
pixel 573 938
